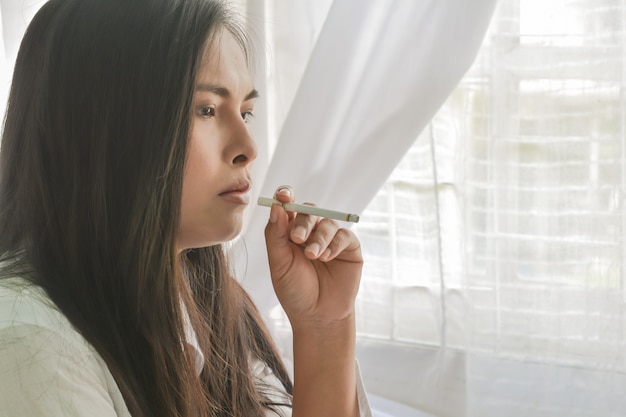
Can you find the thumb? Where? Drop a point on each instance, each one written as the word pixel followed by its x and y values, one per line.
pixel 279 248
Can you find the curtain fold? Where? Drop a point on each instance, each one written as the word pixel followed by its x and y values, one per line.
pixel 377 74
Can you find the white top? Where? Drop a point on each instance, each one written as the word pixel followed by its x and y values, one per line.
pixel 48 369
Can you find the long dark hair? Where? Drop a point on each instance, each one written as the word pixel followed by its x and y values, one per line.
pixel 91 170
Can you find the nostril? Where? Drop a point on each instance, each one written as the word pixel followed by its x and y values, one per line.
pixel 241 158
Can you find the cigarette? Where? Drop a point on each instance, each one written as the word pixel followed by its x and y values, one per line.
pixel 315 211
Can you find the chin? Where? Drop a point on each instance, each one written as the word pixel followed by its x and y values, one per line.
pixel 210 237
pixel 225 235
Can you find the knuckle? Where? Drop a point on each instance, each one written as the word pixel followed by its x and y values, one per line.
pixel 321 239
pixel 342 237
pixel 328 223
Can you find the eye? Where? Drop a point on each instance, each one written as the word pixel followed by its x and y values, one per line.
pixel 247 116
pixel 206 112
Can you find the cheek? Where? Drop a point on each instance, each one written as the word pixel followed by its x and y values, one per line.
pixel 200 171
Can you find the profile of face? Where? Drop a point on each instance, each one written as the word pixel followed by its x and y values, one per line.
pixel 217 183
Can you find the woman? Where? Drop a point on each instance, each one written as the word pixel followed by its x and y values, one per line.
pixel 125 164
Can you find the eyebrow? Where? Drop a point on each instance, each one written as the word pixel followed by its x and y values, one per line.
pixel 224 92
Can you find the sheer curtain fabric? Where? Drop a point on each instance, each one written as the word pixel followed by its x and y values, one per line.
pixel 376 74
pixel 503 228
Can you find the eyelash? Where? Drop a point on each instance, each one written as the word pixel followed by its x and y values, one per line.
pixel 208 112
pixel 246 116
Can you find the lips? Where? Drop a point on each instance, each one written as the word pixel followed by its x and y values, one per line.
pixel 237 192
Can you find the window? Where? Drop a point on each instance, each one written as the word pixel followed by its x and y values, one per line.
pixel 503 228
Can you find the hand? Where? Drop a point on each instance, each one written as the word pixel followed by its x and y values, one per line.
pixel 315 265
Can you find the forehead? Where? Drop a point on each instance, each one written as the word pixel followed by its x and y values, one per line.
pixel 224 63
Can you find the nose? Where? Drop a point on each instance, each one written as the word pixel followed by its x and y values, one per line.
pixel 245 149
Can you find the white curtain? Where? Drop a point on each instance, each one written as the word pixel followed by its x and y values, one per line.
pixel 376 74
pixel 543 187
pixel 494 282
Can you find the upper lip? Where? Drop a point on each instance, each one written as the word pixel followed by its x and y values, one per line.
pixel 241 185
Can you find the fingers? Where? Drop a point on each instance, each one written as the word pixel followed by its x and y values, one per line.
pixel 279 250
pixel 303 224
pixel 285 194
pixel 327 241
pixel 277 229
pixel 321 238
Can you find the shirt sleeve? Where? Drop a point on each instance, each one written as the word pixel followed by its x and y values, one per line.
pixel 364 405
pixel 44 373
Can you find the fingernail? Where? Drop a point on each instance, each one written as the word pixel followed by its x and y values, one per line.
pixel 313 248
pixel 325 255
pixel 284 190
pixel 299 233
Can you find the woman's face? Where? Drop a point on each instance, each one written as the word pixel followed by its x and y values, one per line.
pixel 216 183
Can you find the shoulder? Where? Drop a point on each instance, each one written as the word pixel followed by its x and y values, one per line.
pixel 30 320
pixel 46 367
pixel 24 303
